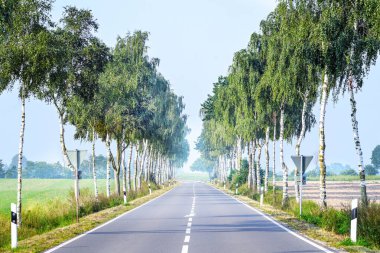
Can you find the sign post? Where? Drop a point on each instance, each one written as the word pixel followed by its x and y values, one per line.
pixel 301 162
pixel 13 226
pixel 76 158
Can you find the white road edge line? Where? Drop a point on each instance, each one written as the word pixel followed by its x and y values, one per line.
pixel 187 239
pixel 278 224
pixel 104 224
pixel 188 230
pixel 185 248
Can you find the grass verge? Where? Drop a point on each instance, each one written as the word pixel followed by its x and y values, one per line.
pixel 45 241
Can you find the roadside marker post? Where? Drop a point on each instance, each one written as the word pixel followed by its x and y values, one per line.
pixel 150 190
pixel 236 190
pixel 125 196
pixel 302 162
pixel 262 196
pixel 354 219
pixel 13 226
pixel 224 185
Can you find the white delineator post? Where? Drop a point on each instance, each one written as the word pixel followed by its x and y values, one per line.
pixel 224 185
pixel 150 190
pixel 354 220
pixel 236 190
pixel 262 196
pixel 13 226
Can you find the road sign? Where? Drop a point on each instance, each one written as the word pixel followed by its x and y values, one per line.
pixel 305 163
pixel 77 157
pixel 301 163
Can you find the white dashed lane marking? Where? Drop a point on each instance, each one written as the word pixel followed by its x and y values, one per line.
pixel 185 247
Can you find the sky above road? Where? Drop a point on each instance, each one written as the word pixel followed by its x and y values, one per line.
pixel 195 41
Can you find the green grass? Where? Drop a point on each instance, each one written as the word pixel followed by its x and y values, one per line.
pixel 197 176
pixel 41 190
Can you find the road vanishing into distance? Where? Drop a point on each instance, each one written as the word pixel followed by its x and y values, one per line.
pixel 195 218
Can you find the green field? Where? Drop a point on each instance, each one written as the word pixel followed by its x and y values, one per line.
pixel 41 190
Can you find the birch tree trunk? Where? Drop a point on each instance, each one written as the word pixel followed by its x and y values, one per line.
pixel 108 169
pixel 130 168
pixel 238 153
pixel 136 167
pixel 258 166
pixel 20 153
pixel 123 168
pixel 93 164
pixel 249 179
pixel 266 182
pixel 359 152
pixel 322 144
pixel 298 146
pixel 254 167
pixel 274 152
pixel 74 169
pixel 285 196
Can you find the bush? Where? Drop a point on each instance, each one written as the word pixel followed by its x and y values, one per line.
pixel 337 221
pixel 239 177
pixel 369 223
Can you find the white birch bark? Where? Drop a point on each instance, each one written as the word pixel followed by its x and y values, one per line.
pixel 266 181
pixel 298 145
pixel 94 165
pixel 254 167
pixel 358 148
pixel 285 195
pixel 258 166
pixel 67 160
pixel 20 154
pixel 322 144
pixel 136 167
pixel 274 152
pixel 130 167
pixel 249 179
pixel 108 169
pixel 123 168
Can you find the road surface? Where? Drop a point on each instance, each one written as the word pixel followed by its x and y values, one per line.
pixel 194 218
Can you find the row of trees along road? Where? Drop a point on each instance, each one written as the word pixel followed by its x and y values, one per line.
pixel 307 51
pixel 115 94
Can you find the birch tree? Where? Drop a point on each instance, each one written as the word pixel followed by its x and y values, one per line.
pixel 24 58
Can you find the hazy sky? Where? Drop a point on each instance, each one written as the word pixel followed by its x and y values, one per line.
pixel 195 41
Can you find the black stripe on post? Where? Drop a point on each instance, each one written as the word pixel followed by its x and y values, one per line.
pixel 14 218
pixel 354 213
pixel 125 193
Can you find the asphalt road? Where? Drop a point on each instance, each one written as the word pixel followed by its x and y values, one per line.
pixel 194 218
